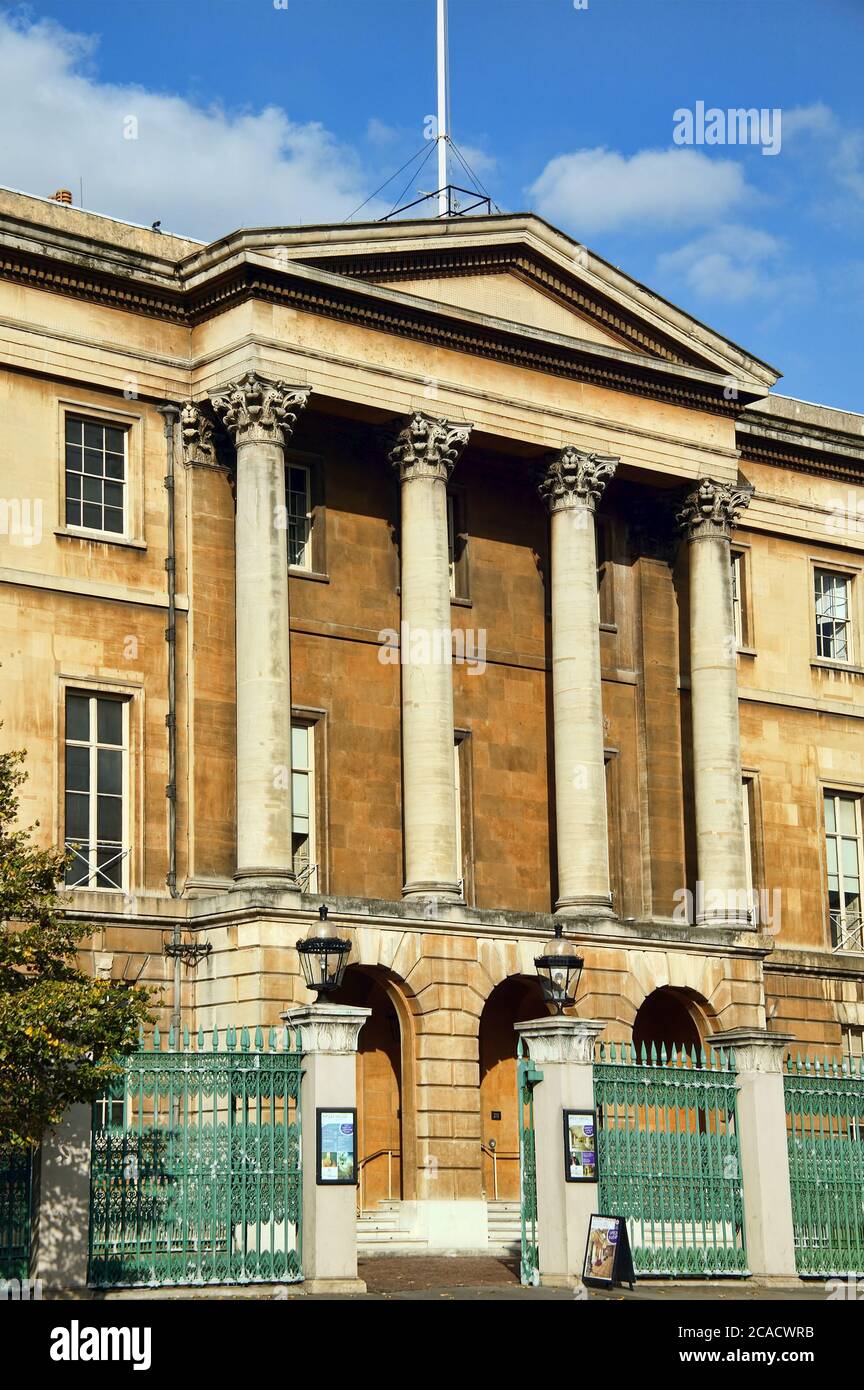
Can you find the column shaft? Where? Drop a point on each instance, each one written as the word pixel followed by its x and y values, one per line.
pixel 708 516
pixel 425 454
pixel 260 417
pixel 571 486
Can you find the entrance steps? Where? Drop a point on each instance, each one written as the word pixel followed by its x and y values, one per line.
pixel 383 1228
pixel 504 1225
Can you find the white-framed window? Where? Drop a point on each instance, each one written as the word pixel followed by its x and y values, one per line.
pixel 457 782
pixel 298 486
pixel 96 464
pixel 737 571
pixel 843 855
pixel 96 790
pixel 110 1112
pixel 833 594
pixel 746 815
pixel 303 805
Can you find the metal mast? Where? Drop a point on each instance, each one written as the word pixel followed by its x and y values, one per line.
pixel 443 109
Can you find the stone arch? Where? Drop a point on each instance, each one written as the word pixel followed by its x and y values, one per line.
pixel 672 1018
pixel 513 1000
pixel 386 1082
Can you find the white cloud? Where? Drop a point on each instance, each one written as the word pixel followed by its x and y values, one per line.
pixel 734 263
pixel 202 171
pixel 600 190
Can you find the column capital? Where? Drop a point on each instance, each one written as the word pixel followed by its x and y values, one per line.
pixel 428 447
pixel 561 1039
pixel 755 1049
pixel 197 435
pixel 712 509
pixel 576 479
pixel 257 411
pixel 329 1028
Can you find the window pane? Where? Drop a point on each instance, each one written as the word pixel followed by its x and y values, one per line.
pixel 77 769
pixel 73 430
pixel 847 816
pixel 93 462
pixel 114 440
pixel 113 494
pixel 831 853
pixel 93 517
pixel 850 859
pixel 74 458
pixel 110 721
pixel 300 747
pixel 92 490
pixel 110 863
pixel 77 816
pixel 109 770
pixel 109 819
pixel 73 513
pixel 830 822
pixel 94 435
pixel 77 717
pixel 113 521
pixel 79 869
pixel 114 467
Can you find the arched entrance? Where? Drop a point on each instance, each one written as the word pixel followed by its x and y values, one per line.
pixel 513 1001
pixel 667 1017
pixel 385 1135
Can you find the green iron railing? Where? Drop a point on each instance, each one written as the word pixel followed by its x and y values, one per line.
pixel 668 1158
pixel 195 1169
pixel 825 1117
pixel 15 1188
pixel 527 1077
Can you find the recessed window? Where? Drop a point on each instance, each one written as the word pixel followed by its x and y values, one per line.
pixel 96 475
pixel 457 544
pixel 95 791
pixel 605 598
pixel 299 500
pixel 843 854
pixel 833 620
pixel 303 806
pixel 737 570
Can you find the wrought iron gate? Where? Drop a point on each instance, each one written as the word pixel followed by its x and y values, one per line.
pixel 668 1158
pixel 195 1175
pixel 15 1189
pixel 527 1077
pixel 825 1110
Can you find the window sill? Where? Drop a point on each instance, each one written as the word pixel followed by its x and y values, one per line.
pixel 102 537
pixel 823 664
pixel 317 577
pixel 746 651
pixel 461 602
pixel 608 627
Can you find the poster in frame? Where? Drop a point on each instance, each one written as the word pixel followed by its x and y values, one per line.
pixel 608 1259
pixel 580 1146
pixel 336 1147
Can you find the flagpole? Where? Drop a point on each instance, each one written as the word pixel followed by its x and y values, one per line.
pixel 442 109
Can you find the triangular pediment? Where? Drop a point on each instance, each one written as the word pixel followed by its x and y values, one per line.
pixel 516 269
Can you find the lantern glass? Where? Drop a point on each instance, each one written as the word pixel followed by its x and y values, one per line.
pixel 558 972
pixel 323 960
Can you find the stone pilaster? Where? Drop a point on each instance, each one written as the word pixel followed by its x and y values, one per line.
pixel 260 416
pixel 571 486
pixel 763 1147
pixel 563 1049
pixel 424 454
pixel 329 1034
pixel 707 518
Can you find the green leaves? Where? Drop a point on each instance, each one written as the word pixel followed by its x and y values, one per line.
pixel 60 1030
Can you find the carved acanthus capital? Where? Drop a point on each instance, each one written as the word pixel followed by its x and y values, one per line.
pixel 428 448
pixel 258 411
pixel 712 509
pixel 197 435
pixel 576 479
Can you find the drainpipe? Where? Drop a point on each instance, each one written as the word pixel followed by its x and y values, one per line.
pixel 170 413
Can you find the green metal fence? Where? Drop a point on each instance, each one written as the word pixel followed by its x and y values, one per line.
pixel 527 1077
pixel 825 1117
pixel 195 1175
pixel 668 1158
pixel 15 1192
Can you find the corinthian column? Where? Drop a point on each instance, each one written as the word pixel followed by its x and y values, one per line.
pixel 571 487
pixel 260 417
pixel 706 518
pixel 425 454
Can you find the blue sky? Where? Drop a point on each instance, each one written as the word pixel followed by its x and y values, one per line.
pixel 255 112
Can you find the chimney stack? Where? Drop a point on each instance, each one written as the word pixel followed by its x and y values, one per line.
pixel 63 195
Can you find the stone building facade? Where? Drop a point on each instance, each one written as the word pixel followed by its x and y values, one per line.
pixel 247 486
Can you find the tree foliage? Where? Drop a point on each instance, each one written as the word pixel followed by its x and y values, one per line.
pixel 61 1030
